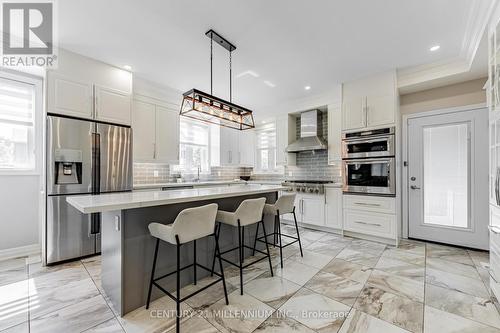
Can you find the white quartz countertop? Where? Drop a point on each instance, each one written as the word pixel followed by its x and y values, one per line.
pixel 127 200
pixel 187 184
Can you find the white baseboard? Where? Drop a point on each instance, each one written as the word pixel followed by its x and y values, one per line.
pixel 22 251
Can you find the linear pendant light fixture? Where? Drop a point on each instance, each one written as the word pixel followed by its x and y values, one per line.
pixel 208 108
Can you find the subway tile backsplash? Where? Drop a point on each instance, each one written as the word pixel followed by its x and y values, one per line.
pixel 310 166
pixel 144 173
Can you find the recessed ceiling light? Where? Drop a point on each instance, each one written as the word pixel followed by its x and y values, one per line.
pixel 435 48
pixel 307 87
pixel 127 67
pixel 269 84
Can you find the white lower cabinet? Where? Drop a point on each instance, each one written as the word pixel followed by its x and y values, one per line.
pixel 312 210
pixel 333 208
pixel 372 216
pixel 370 223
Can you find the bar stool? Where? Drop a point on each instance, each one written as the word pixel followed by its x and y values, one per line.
pixel 248 212
pixel 284 205
pixel 191 224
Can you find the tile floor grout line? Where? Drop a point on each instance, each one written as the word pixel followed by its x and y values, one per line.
pixel 104 298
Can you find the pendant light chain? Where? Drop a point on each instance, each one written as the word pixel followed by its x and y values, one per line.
pixel 211 65
pixel 230 78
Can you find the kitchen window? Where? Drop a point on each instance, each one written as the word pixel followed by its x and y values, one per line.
pixel 20 120
pixel 194 146
pixel 266 148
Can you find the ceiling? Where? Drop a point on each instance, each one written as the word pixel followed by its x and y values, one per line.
pixel 289 43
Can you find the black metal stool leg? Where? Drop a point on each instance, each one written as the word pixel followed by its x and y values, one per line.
pixel 255 241
pixel 275 234
pixel 178 292
pixel 152 273
pixel 267 247
pixel 216 233
pixel 194 260
pixel 277 219
pixel 217 251
pixel 298 235
pixel 240 247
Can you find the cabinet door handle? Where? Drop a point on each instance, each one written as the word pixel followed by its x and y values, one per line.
pixel 494 229
pixel 154 150
pixel 367 204
pixel 366 223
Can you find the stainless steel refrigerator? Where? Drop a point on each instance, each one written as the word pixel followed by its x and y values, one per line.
pixel 83 157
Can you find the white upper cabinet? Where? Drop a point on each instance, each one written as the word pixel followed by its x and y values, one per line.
pixel 354 113
pixel 68 96
pixel 380 110
pixel 334 134
pixel 112 105
pixel 86 88
pixel 285 134
pixel 247 148
pixel 369 102
pixel 155 123
pixel 144 131
pixel 167 135
pixel 229 147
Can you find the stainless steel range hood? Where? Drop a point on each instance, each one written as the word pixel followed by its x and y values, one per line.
pixel 309 137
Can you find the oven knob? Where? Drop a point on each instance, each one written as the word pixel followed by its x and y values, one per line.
pixel 316 190
pixel 311 190
pixel 303 189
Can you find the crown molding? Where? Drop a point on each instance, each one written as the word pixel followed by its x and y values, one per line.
pixel 479 15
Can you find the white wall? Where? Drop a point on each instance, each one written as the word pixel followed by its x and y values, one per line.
pixel 20 211
pixel 22 204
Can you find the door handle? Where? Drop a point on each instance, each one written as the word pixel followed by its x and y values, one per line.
pixel 413 187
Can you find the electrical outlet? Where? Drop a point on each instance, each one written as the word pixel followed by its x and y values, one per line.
pixel 155 173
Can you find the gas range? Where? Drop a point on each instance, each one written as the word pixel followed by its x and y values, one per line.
pixel 306 186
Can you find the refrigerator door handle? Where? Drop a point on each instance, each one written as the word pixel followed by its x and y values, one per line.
pixel 96 163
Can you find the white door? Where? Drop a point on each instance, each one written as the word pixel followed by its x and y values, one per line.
pixel 167 135
pixel 143 125
pixel 447 178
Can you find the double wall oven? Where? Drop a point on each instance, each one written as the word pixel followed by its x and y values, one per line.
pixel 369 163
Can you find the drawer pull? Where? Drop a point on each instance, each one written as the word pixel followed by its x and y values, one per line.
pixel 494 229
pixel 367 204
pixel 366 223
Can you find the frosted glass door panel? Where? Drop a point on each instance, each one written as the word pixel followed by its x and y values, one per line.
pixel 446 175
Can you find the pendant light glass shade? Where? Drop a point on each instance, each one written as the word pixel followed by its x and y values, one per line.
pixel 210 109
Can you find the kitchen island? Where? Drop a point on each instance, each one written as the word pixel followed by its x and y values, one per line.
pixel 127 247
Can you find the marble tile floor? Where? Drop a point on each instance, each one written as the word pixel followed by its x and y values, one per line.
pixel 340 285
